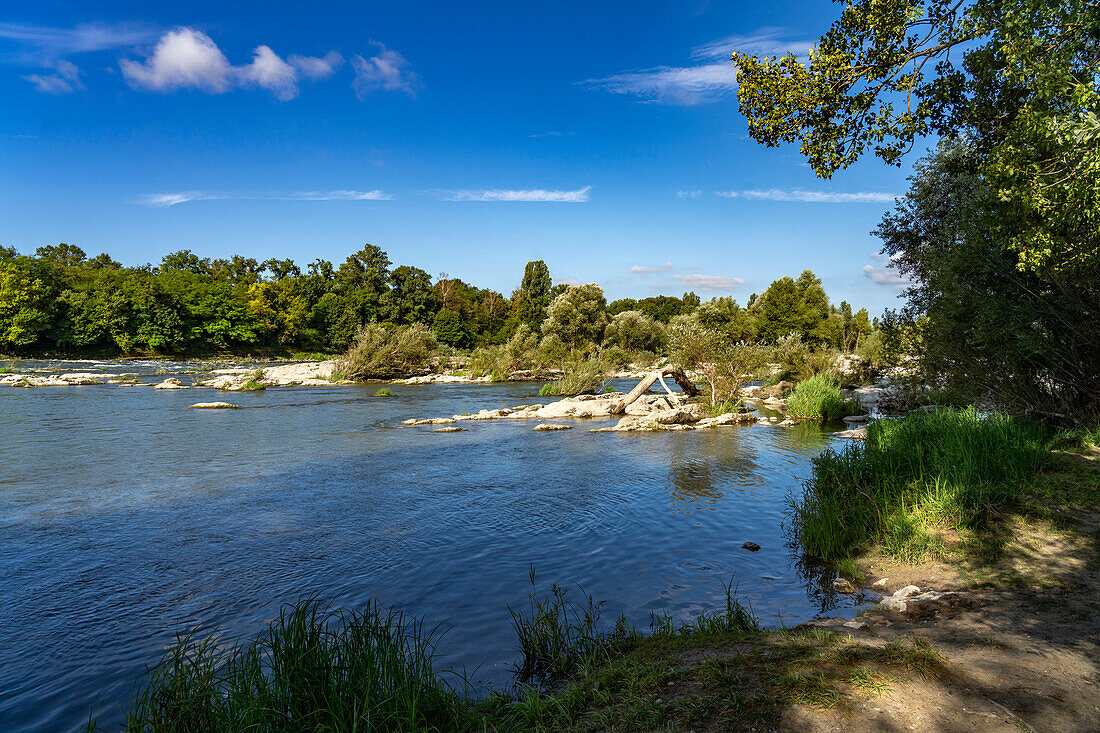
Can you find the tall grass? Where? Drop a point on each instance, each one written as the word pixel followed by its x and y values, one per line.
pixel 820 398
pixel 913 478
pixel 312 669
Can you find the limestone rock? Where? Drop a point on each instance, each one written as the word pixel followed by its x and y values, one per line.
pixel 857 419
pixel 551 426
pixel 170 383
pixel 452 429
pixel 215 406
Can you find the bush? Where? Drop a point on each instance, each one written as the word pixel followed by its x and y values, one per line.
pixel 581 377
pixel 519 352
pixel 820 398
pixel 725 364
pixel 634 331
pixel 381 352
pixel 928 471
pixel 797 360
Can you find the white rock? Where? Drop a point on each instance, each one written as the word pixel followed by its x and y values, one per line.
pixel 908 590
pixel 880 583
pixel 170 383
pixel 215 406
pixel 551 426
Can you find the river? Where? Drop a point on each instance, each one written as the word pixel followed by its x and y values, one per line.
pixel 128 517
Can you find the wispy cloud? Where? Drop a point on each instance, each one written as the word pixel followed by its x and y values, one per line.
pixel 164 200
pixel 388 70
pixel 709 283
pixel 44 43
pixel 711 79
pixel 568 281
pixel 531 195
pixel 647 269
pixel 689 194
pixel 817 197
pixel 186 58
pixel 552 133
pixel 65 81
pixel 886 274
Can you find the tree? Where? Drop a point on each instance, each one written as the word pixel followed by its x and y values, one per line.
pixel 367 269
pixel 983 326
pixel 779 310
pixel 577 316
pixel 27 294
pixel 1017 80
pixel 449 329
pixel 533 295
pixel 411 298
pixel 67 255
pixel 186 261
pixel 634 331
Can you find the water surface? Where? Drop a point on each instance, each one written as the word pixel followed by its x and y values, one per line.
pixel 128 517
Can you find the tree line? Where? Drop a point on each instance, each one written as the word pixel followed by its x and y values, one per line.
pixel 61 301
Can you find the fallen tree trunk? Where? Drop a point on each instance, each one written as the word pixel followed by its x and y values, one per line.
pixel 677 375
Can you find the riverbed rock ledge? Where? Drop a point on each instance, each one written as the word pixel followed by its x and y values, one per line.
pixel 215 406
pixel 171 383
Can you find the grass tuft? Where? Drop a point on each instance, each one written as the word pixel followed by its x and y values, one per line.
pixel 914 478
pixel 820 398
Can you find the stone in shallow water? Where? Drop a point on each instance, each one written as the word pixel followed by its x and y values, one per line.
pixel 751 546
pixel 550 426
pixel 452 429
pixel 215 406
pixel 843 585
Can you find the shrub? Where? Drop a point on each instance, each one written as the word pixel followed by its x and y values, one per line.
pixel 581 377
pixel 634 331
pixel 724 364
pixel 382 352
pixel 519 352
pixel 577 316
pixel 797 360
pixel 930 470
pixel 820 398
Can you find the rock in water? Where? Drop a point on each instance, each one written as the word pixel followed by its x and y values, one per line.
pixel 215 406
pixel 170 383
pixel 550 426
pixel 843 585
pixel 452 429
pixel 751 547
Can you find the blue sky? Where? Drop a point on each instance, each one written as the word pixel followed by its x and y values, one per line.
pixel 465 138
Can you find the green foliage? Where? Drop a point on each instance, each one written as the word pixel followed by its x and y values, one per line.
pixel 449 329
pixel 313 668
pixel 1018 79
pixel 254 383
pixel 582 376
pixel 724 363
pixel 577 316
pixel 979 324
pixel 819 398
pixel 913 477
pixel 384 392
pixel 382 352
pixel 635 331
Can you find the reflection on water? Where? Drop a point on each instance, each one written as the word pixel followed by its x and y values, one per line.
pixel 128 516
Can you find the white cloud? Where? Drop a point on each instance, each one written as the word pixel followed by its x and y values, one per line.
pixel 270 72
pixel 552 133
pixel 765 42
pixel 388 71
pixel 183 58
pixel 886 274
pixel 709 282
pixel 43 43
pixel 65 81
pixel 532 195
pixel 646 269
pixel 186 58
pixel 709 81
pixel 689 194
pixel 164 200
pixel 819 197
pixel 315 68
pixel 572 282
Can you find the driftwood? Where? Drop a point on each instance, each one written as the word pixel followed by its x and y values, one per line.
pixel 677 375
